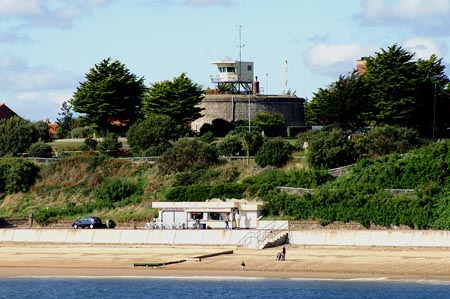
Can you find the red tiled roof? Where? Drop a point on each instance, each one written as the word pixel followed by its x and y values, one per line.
pixel 52 128
pixel 5 112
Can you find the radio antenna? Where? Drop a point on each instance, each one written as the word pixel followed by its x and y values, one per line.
pixel 240 46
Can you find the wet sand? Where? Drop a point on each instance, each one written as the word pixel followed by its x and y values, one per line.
pixel 324 262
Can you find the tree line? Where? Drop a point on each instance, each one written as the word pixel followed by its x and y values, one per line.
pixel 395 90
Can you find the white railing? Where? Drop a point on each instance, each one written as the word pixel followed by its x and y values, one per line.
pixel 259 238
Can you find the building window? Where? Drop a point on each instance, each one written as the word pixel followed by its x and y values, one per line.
pixel 231 69
pixel 249 68
pixel 217 216
pixel 196 215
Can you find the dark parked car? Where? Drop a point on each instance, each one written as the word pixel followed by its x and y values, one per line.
pixel 91 222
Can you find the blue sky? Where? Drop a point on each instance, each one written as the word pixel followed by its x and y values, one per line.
pixel 47 46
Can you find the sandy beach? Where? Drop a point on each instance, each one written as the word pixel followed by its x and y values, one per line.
pixel 333 262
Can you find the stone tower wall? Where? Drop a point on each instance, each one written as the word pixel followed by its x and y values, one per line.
pixel 236 107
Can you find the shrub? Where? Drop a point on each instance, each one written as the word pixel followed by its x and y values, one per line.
pixel 16 136
pixel 387 140
pixel 274 152
pixel 272 124
pixel 228 190
pixel 156 150
pixel 81 132
pixel 47 215
pixel 189 193
pixel 90 144
pixel 155 131
pixel 17 175
pixel 189 177
pixel 188 154
pixel 330 149
pixel 207 137
pixel 230 145
pixel 252 142
pixel 41 131
pixel 114 190
pixel 110 142
pixel 41 150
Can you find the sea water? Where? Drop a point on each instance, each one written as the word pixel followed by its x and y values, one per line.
pixel 200 288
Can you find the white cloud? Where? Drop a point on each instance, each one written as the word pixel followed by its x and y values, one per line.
pixel 43 13
pixel 18 76
pixel 37 106
pixel 423 47
pixel 208 2
pixel 9 62
pixel 424 16
pixel 33 80
pixel 378 11
pixel 23 8
pixel 338 59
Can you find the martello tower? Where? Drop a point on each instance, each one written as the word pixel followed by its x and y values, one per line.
pixel 236 97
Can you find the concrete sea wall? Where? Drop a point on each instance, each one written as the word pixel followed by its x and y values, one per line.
pixel 124 236
pixel 227 237
pixel 371 238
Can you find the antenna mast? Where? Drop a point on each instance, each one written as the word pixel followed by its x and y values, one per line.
pixel 287 76
pixel 240 46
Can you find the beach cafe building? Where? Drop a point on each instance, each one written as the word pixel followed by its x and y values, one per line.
pixel 209 214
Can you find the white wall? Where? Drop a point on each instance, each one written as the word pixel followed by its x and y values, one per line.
pixel 371 238
pixel 226 237
pixel 125 236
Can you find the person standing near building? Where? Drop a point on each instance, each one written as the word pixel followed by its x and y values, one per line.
pixel 227 221
pixel 284 253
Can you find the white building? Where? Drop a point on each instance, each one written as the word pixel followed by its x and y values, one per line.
pixel 209 214
pixel 234 75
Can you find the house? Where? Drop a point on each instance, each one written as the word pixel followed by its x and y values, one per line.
pixel 5 112
pixel 209 214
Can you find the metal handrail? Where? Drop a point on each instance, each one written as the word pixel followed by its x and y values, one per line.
pixel 271 235
pixel 262 235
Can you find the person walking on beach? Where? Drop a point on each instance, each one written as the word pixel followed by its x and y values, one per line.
pixel 284 253
pixel 243 265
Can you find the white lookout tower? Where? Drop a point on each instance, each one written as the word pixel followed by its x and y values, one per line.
pixel 235 77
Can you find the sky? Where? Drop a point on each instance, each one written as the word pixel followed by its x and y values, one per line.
pixel 48 46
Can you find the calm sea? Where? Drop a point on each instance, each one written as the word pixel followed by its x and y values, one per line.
pixel 199 288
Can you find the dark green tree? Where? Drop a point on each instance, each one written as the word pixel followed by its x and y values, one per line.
pixel 432 105
pixel 330 148
pixel 16 135
pixel 157 131
pixel 395 90
pixel 41 131
pixel 274 152
pixel 110 142
pixel 178 99
pixel 386 140
pixel 231 145
pixel 110 98
pixel 187 154
pixel 90 144
pixel 342 104
pixel 41 150
pixel 391 78
pixel 66 121
pixel 271 123
pixel 17 175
